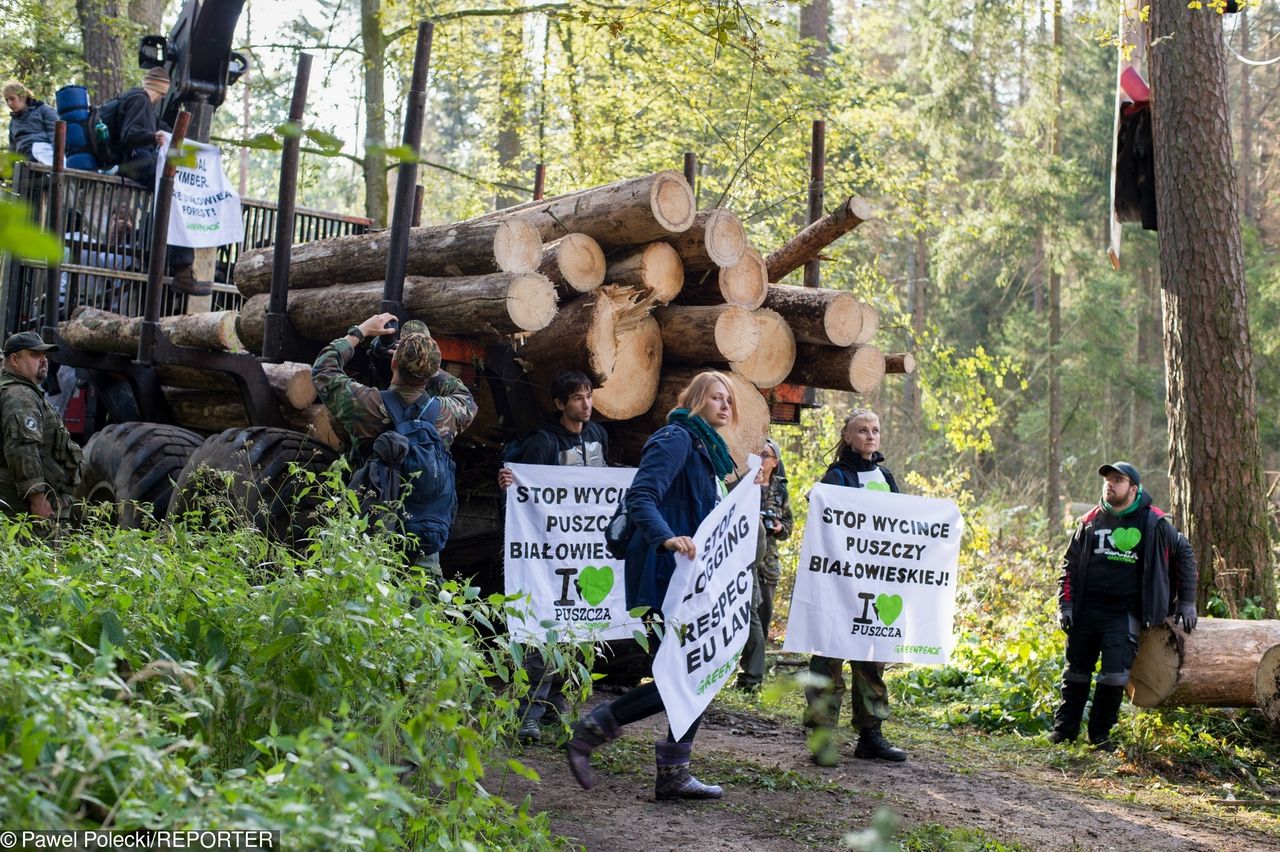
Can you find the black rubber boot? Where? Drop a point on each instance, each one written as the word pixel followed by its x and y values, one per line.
pixel 1103 715
pixel 589 733
pixel 873 746
pixel 673 780
pixel 1066 719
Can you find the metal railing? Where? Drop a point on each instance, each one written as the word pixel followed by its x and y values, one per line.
pixel 106 234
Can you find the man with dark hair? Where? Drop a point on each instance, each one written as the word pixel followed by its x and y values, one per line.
pixel 39 463
pixel 571 439
pixel 1127 568
pixel 415 371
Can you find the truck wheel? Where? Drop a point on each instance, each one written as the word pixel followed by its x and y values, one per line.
pixel 133 466
pixel 248 475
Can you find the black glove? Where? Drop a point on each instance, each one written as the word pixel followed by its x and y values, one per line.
pixel 1064 620
pixel 1187 615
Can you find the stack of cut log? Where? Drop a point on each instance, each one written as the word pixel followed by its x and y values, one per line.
pixel 628 282
pixel 1222 663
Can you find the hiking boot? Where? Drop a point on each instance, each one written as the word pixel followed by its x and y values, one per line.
pixel 530 731
pixel 1103 715
pixel 589 733
pixel 1066 719
pixel 873 746
pixel 184 281
pixel 673 780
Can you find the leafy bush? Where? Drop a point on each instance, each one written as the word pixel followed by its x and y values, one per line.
pixel 196 677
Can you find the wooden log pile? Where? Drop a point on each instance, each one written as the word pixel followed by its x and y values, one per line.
pixel 628 282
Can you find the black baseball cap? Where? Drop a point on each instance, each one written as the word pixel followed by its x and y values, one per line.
pixel 27 340
pixel 1124 469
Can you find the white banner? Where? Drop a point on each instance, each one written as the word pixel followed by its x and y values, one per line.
pixel 553 550
pixel 206 210
pixel 707 611
pixel 877 577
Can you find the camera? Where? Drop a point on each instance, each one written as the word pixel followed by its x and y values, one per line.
pixel 383 345
pixel 768 517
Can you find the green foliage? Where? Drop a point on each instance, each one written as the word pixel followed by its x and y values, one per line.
pixel 22 238
pixel 196 678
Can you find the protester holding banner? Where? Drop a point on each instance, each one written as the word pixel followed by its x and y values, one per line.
pixel 856 463
pixel 679 481
pixel 776 523
pixel 1126 568
pixel 572 439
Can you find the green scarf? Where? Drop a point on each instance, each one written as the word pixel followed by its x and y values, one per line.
pixel 1133 507
pixel 719 450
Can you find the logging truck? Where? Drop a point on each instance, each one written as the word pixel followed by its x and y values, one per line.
pixel 629 282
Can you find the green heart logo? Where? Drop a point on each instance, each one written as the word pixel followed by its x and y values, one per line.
pixel 1126 538
pixel 889 607
pixel 878 486
pixel 594 583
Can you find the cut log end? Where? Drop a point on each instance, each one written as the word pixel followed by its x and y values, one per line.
pixel 870 323
pixel 580 262
pixel 672 201
pixel 725 239
pixel 745 283
pixel 531 301
pixel 901 363
pixel 1267 686
pixel 629 391
pixel 844 320
pixel 663 272
pixel 517 245
pixel 737 333
pixel 1155 671
pixel 774 357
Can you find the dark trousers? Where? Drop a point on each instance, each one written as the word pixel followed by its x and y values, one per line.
pixel 644 701
pixel 1111 636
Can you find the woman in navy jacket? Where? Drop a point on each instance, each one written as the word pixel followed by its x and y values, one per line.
pixel 679 481
pixel 856 464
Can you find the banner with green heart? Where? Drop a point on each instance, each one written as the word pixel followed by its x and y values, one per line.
pixel 888 607
pixel 595 583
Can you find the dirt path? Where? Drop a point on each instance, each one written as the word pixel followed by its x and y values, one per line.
pixel 776 799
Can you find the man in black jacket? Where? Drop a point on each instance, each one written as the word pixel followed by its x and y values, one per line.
pixel 571 439
pixel 1127 568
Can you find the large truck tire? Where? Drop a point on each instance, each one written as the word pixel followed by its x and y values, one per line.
pixel 133 466
pixel 255 476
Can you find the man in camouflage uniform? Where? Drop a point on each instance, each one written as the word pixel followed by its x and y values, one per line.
pixel 39 462
pixel 415 370
pixel 775 525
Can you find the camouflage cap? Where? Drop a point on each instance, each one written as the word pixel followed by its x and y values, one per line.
pixel 414 326
pixel 417 356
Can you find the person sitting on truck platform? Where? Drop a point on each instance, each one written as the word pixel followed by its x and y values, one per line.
pixel 571 439
pixel 415 370
pixel 39 462
pixel 30 120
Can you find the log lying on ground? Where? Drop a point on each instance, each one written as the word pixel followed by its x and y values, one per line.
pixel 628 212
pixel 94 330
pixel 774 357
pixel 575 264
pixel 818 315
pixel 744 284
pixel 498 304
pixel 290 381
pixel 716 239
pixel 209 411
pixel 1267 686
pixel 713 334
pixel 859 368
pixel 610 335
pixel 656 267
pixel 746 436
pixel 1215 665
pixel 900 363
pixel 809 243
pixel 463 248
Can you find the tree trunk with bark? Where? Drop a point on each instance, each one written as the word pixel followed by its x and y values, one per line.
pixel 290 381
pixel 94 330
pixel 817 315
pixel 714 334
pixel 485 305
pixel 1215 471
pixel 373 51
pixel 859 368
pixel 610 335
pixel 103 30
pixel 900 363
pixel 656 268
pixel 809 243
pixel 472 247
pixel 208 411
pixel 1215 665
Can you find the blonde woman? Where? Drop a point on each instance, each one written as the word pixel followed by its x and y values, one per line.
pixel 856 463
pixel 679 481
pixel 30 120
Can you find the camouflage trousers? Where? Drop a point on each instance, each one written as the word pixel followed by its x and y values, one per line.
pixel 869 701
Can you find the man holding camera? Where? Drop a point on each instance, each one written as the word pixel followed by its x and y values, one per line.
pixel 415 371
pixel 775 525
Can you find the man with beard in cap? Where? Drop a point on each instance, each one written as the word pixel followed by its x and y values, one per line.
pixel 39 462
pixel 1127 568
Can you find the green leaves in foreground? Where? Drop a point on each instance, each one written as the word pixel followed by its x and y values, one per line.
pixel 23 238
